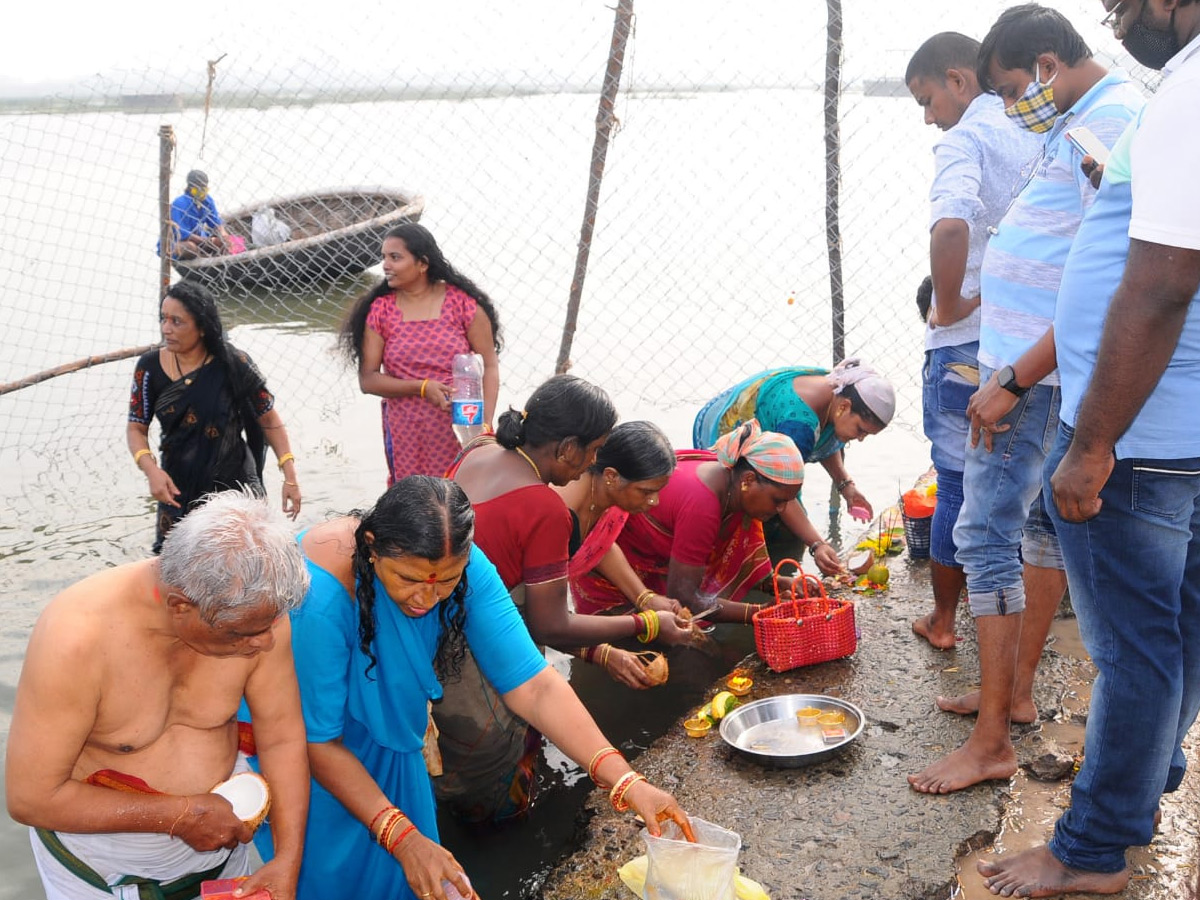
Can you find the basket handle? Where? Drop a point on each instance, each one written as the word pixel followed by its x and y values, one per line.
pixel 806 579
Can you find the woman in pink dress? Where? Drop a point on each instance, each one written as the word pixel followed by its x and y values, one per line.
pixel 403 336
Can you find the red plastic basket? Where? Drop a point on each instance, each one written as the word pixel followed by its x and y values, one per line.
pixel 805 630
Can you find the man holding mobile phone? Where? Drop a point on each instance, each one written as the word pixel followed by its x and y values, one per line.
pixel 1125 469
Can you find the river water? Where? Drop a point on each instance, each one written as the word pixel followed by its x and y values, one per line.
pixel 710 220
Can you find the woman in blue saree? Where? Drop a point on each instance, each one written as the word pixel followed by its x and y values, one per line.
pixel 393 590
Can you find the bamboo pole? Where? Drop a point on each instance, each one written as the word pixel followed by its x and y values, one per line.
pixel 604 124
pixel 833 174
pixel 67 368
pixel 166 147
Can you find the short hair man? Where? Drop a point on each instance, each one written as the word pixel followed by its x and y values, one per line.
pixel 976 165
pixel 1125 469
pixel 125 714
pixel 196 226
pixel 1044 72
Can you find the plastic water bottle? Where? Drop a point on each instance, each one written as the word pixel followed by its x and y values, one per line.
pixel 466 407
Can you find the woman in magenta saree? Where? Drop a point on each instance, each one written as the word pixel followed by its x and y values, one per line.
pixel 701 543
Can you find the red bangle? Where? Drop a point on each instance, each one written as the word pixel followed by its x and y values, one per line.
pixel 599 758
pixel 403 834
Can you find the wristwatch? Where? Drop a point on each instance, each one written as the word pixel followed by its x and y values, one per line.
pixel 1007 379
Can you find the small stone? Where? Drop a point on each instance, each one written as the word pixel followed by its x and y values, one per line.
pixel 1053 764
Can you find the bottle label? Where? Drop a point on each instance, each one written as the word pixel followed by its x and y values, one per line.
pixel 466 412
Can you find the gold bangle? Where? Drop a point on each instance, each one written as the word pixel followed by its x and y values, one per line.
pixel 292 483
pixel 642 599
pixel 285 459
pixel 145 451
pixel 424 384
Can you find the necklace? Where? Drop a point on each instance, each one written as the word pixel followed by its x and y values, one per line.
pixel 184 375
pixel 536 471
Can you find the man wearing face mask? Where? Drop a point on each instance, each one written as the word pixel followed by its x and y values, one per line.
pixel 1044 72
pixel 1125 469
pixel 197 229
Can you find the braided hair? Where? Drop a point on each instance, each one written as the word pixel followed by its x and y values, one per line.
pixel 419 516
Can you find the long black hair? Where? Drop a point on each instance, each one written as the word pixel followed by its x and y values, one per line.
pixel 422 246
pixel 562 407
pixel 200 303
pixel 638 451
pixel 420 516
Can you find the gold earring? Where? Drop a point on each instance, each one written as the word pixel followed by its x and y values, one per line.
pixel 743 485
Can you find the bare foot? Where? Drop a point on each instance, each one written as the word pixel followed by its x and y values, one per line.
pixel 1023 712
pixel 1037 873
pixel 936 635
pixel 962 768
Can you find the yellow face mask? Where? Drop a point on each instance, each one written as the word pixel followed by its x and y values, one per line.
pixel 199 193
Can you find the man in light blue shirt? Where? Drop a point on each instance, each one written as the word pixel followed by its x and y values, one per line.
pixel 1044 72
pixel 1125 469
pixel 976 166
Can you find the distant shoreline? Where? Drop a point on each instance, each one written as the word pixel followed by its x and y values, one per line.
pixel 178 102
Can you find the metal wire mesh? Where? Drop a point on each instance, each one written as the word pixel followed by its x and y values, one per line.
pixel 710 253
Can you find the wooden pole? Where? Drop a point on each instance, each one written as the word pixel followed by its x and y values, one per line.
pixel 833 174
pixel 67 368
pixel 622 24
pixel 166 149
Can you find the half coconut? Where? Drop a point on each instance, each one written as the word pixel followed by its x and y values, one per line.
pixel 249 795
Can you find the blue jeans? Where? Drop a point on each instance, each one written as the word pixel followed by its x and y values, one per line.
pixel 999 490
pixel 949 501
pixel 1134 574
pixel 944 398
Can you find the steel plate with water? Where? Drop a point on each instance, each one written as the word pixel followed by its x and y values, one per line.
pixel 768 732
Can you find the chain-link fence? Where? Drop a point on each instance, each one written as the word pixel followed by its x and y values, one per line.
pixel 710 253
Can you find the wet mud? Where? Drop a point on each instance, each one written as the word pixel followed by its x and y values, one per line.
pixel 850 826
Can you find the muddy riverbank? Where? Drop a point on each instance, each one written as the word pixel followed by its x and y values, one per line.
pixel 851 827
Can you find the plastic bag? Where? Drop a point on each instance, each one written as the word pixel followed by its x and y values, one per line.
pixel 681 870
pixel 266 229
pixel 633 874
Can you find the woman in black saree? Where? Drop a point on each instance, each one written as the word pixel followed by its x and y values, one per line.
pixel 205 394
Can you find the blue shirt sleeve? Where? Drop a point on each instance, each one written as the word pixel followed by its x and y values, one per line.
pixel 957 180
pixel 323 639
pixel 495 631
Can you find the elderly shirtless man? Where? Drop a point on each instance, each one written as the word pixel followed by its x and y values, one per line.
pixel 137 673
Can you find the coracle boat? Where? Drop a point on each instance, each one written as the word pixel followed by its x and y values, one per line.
pixel 329 234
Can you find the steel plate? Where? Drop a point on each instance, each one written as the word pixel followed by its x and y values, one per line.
pixel 767 731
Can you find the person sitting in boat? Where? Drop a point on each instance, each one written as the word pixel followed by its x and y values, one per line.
pixel 206 394
pixel 819 409
pixel 703 542
pixel 124 714
pixel 196 226
pixel 399 593
pixel 522 525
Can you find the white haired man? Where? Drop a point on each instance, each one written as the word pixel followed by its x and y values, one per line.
pixel 126 709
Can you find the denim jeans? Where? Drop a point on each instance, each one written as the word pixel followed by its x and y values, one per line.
pixel 944 398
pixel 1134 574
pixel 949 501
pixel 999 490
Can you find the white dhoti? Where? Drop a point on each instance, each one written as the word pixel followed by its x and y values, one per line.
pixel 116 856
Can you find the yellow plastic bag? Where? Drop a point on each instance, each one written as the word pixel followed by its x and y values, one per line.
pixel 633 873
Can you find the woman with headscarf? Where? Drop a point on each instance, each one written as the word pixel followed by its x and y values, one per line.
pixel 821 411
pixel 703 543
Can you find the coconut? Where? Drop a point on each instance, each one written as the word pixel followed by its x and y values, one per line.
pixel 248 794
pixel 859 561
pixel 656 666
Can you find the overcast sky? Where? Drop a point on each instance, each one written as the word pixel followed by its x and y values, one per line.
pixel 69 41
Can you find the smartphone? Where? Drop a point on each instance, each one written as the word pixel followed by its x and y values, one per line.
pixel 1087 143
